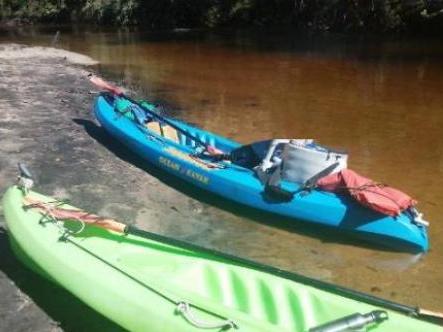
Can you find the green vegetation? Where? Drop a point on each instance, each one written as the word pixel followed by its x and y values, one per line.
pixel 318 15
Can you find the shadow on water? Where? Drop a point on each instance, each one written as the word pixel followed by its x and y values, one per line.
pixel 323 233
pixel 69 312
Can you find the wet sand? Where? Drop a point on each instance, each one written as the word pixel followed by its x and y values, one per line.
pixel 46 122
pixel 42 92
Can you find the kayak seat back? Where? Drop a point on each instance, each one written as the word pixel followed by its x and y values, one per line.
pixel 154 127
pixel 174 135
pixel 170 133
pixel 163 130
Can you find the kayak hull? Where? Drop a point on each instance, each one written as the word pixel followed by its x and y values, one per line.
pixel 242 186
pixel 137 282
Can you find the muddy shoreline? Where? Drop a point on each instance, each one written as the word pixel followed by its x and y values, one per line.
pixel 48 124
pixel 42 90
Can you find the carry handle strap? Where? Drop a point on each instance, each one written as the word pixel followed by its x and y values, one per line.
pixel 63 213
pixel 185 309
pixel 311 183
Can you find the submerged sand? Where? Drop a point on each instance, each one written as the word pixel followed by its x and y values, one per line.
pixel 23 52
pixel 46 122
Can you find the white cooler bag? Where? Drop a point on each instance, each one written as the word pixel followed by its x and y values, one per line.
pixel 302 159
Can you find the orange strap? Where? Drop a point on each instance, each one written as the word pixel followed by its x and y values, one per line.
pixel 71 214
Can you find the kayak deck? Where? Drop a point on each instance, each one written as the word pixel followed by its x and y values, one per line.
pixel 138 282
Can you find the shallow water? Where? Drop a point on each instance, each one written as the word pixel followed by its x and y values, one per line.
pixel 380 100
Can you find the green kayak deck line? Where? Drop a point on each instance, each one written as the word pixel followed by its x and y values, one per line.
pixel 137 282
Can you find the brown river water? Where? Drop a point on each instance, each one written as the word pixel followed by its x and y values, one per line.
pixel 379 100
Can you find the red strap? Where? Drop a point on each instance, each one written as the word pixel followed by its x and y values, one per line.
pixel 213 151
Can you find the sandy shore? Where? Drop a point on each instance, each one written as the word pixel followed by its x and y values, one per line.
pixel 46 122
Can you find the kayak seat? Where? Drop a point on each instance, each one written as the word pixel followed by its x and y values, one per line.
pixel 170 133
pixel 154 126
pixel 175 136
pixel 163 130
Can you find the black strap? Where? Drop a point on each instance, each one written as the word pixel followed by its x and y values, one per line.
pixel 275 176
pixel 276 192
pixel 273 189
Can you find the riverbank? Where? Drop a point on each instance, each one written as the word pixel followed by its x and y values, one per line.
pixel 42 89
pixel 46 122
pixel 311 16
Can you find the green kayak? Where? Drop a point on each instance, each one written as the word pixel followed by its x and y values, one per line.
pixel 152 283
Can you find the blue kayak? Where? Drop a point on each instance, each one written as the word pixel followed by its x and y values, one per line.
pixel 178 154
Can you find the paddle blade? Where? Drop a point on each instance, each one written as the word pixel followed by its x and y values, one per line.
pixel 103 85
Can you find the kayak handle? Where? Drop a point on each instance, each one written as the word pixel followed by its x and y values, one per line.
pixel 25 179
pixel 185 309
